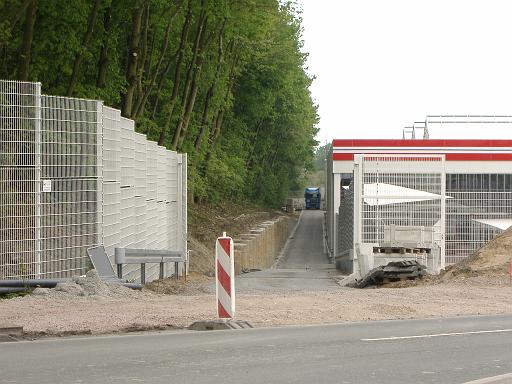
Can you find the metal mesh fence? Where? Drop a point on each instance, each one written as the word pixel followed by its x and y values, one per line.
pixel 402 191
pixel 462 211
pixel 345 238
pixel 479 208
pixel 329 200
pixel 71 182
pixel 74 174
pixel 20 173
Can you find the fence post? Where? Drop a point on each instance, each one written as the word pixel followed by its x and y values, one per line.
pixel 181 178
pixel 38 186
pixel 99 171
pixel 442 252
pixel 184 205
pixel 179 200
pixel 225 277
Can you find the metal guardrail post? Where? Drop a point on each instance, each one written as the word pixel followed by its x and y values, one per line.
pixel 119 252
pixel 143 273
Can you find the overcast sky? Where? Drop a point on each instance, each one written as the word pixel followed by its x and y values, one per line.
pixel 382 65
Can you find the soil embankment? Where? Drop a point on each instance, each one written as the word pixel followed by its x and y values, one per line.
pixel 206 223
pixel 492 260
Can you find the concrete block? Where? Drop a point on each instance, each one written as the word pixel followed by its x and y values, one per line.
pixel 260 247
pixel 6 338
pixel 9 332
pixel 9 329
pixel 239 257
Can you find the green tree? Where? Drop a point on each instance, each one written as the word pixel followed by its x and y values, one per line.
pixel 223 80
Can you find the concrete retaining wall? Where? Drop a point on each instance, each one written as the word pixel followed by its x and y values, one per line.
pixel 259 248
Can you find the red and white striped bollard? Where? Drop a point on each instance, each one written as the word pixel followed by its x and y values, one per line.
pixel 225 277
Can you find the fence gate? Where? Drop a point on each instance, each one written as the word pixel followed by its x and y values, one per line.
pixel 400 190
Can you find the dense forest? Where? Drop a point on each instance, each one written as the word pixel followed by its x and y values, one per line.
pixel 223 80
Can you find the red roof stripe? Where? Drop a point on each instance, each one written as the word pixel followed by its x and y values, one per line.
pixel 478 156
pixel 419 143
pixel 343 156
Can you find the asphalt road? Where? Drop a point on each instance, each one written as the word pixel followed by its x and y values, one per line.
pixel 304 265
pixel 306 248
pixel 446 351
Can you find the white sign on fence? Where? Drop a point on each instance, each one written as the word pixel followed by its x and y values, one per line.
pixel 47 185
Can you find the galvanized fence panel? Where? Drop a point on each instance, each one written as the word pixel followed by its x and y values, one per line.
pixel 163 200
pixel 139 177
pixel 111 178
pixel 345 238
pixel 478 204
pixel 403 191
pixel 74 174
pixel 148 202
pixel 127 228
pixel 71 213
pixel 20 179
pixel 400 190
pixel 151 192
pixel 464 211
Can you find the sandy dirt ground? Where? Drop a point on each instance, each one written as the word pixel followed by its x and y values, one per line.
pixel 96 314
pixel 478 286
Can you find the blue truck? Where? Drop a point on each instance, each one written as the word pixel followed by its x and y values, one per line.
pixel 312 198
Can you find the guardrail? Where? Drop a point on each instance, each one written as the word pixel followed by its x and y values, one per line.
pixel 144 256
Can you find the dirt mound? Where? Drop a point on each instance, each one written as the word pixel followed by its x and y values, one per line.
pixel 425 280
pixel 202 258
pixel 493 259
pixel 487 266
pixel 194 285
pixel 88 285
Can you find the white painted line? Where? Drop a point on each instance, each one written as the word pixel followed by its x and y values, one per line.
pixel 438 335
pixel 503 379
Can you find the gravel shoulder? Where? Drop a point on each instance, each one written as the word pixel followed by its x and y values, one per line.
pixel 478 286
pixel 97 314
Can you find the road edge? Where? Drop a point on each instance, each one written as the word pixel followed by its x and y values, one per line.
pixel 501 379
pixel 283 250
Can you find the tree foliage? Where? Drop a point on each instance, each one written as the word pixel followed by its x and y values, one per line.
pixel 223 80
